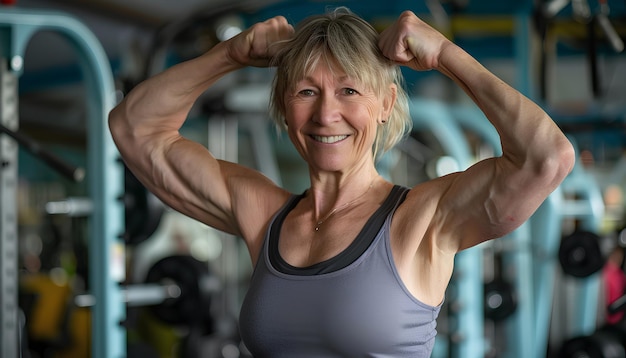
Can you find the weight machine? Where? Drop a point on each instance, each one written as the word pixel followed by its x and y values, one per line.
pixel 104 173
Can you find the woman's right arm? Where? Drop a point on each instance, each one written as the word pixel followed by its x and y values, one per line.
pixel 182 173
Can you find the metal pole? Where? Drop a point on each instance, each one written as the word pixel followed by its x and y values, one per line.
pixel 9 346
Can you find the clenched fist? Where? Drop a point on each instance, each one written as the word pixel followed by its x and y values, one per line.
pixel 257 45
pixel 412 42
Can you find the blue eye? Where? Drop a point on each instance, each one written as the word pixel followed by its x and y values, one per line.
pixel 307 92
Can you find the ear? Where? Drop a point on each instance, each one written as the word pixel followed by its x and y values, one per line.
pixel 389 101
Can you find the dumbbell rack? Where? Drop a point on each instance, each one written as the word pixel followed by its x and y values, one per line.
pixel 104 175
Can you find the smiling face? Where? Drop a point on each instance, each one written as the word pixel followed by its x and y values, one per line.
pixel 332 118
pixel 346 43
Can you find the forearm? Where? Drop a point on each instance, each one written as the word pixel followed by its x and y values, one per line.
pixel 162 102
pixel 526 131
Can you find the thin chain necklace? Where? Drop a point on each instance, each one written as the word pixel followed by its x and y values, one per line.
pixel 339 208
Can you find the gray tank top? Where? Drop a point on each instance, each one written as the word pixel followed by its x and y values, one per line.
pixel 354 305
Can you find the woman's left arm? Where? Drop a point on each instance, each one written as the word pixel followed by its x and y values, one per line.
pixel 496 195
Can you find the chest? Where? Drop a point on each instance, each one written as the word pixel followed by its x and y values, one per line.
pixel 359 310
pixel 303 242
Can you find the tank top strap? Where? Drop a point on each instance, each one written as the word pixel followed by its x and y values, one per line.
pixel 360 244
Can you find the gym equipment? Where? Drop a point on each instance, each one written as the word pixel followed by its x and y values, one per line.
pixel 52 325
pixel 143 210
pixel 500 301
pixel 17 27
pixel 137 295
pixel 45 305
pixel 435 118
pixel 9 341
pixel 602 22
pixel 196 285
pixel 618 305
pixel 607 342
pixel 178 289
pixel 580 254
pixel 545 18
pixel 71 172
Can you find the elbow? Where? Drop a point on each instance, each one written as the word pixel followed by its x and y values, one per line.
pixel 566 157
pixel 560 162
pixel 121 129
pixel 116 123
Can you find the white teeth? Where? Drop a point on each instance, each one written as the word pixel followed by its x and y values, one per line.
pixel 331 139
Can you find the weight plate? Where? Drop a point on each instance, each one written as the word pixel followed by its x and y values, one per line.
pixel 193 305
pixel 500 301
pixel 580 254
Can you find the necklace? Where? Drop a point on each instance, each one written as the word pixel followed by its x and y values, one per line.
pixel 341 207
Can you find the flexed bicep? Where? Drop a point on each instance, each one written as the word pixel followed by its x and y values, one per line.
pixel 489 200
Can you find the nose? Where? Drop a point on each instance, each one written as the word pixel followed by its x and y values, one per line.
pixel 328 109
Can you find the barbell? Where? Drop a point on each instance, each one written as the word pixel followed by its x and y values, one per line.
pixel 76 174
pixel 177 289
pixel 142 210
pixel 197 287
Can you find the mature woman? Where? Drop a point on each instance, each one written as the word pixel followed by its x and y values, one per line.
pixel 355 265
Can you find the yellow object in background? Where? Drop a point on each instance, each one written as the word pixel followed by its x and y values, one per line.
pixel 52 318
pixel 50 300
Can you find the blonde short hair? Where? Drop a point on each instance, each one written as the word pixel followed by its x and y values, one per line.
pixel 341 37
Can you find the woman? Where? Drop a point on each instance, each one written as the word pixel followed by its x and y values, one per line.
pixel 354 266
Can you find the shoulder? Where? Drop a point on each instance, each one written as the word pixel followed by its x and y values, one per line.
pixel 255 200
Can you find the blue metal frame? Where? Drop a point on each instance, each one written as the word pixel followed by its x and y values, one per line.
pixel 104 173
pixel 517 256
pixel 545 230
pixel 589 210
pixel 468 277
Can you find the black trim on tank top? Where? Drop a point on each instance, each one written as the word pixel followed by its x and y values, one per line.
pixel 360 244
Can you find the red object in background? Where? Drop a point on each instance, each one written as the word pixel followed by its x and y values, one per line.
pixel 615 283
pixel 7 2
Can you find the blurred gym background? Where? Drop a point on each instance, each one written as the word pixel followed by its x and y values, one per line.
pixel 92 265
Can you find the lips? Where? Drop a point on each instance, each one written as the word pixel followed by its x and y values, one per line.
pixel 329 139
